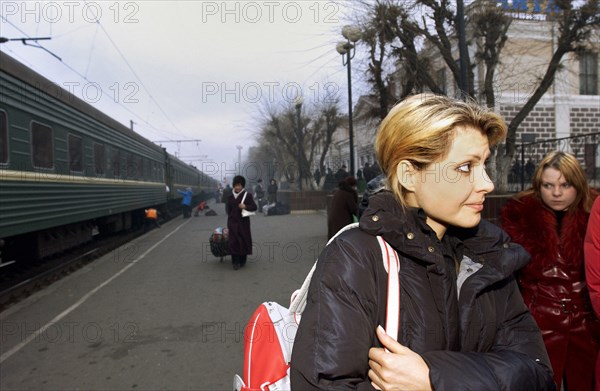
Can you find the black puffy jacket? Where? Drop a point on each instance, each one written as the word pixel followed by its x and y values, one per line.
pixel 484 339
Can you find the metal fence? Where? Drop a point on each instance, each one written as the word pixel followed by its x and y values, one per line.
pixel 584 147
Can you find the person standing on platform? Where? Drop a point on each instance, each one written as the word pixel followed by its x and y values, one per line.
pixel 272 192
pixel 186 201
pixel 549 219
pixel 329 184
pixel 226 193
pixel 240 235
pixel 341 174
pixel 361 183
pixel 344 206
pixel 259 193
pixel 317 176
pixel 591 250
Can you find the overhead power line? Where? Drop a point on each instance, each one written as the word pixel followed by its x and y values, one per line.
pixel 84 77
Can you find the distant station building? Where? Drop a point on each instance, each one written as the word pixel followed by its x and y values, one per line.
pixel 570 107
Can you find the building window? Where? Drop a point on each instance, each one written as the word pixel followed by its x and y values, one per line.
pixel 3 137
pixel 588 73
pixel 41 144
pixel 99 161
pixel 75 153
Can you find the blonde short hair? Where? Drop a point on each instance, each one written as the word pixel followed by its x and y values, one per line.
pixel 420 130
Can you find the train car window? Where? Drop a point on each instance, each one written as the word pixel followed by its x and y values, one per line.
pixel 99 161
pixel 140 167
pixel 3 137
pixel 131 169
pixel 41 142
pixel 75 153
pixel 116 163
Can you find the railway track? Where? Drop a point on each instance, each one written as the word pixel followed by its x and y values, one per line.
pixel 18 283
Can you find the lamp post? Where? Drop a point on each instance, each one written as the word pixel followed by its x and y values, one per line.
pixel 239 148
pixel 462 49
pixel 298 104
pixel 347 50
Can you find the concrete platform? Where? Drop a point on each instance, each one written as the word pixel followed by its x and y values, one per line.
pixel 160 313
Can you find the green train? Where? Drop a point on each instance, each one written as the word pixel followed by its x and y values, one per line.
pixel 68 171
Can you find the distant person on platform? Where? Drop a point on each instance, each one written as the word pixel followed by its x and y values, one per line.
pixel 272 191
pixel 317 176
pixel 329 180
pixel 226 193
pixel 341 174
pixel 217 194
pixel 344 206
pixel 151 219
pixel 361 183
pixel 186 201
pixel 259 191
pixel 240 236
pixel 367 172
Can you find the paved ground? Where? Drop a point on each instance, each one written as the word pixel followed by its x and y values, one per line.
pixel 161 313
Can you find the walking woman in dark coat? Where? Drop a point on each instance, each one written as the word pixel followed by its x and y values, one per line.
pixel 272 191
pixel 344 206
pixel 240 237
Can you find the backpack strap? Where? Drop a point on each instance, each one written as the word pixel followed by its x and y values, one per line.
pixel 298 300
pixel 392 266
pixel 391 263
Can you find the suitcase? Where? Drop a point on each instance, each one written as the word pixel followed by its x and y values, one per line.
pixel 219 242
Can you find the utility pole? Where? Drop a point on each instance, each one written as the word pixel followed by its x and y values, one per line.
pixel 175 141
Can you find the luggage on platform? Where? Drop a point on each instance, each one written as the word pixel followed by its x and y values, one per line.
pixel 276 209
pixel 219 242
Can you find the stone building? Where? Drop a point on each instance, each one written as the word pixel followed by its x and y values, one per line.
pixel 571 107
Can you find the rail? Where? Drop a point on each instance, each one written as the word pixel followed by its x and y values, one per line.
pixel 584 147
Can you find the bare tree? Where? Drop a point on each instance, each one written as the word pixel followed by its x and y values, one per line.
pixel 297 135
pixel 391 35
pixel 327 123
pixel 575 26
pixel 488 25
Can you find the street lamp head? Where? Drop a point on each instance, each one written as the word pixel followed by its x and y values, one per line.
pixel 351 33
pixel 342 48
pixel 298 101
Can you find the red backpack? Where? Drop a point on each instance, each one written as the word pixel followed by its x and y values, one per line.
pixel 270 332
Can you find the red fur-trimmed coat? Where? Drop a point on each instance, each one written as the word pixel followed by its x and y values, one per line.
pixel 534 227
pixel 553 285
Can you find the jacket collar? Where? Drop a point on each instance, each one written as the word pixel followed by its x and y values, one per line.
pixel 404 229
pixel 407 231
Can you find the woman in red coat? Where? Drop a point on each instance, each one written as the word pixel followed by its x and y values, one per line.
pixel 550 220
pixel 591 249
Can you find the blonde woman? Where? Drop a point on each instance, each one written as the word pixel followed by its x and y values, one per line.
pixel 463 323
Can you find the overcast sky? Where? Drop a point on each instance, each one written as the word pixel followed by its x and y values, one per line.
pixel 184 70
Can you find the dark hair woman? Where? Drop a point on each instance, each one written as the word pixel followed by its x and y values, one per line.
pixel 240 236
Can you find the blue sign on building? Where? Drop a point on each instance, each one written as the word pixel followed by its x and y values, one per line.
pixel 534 6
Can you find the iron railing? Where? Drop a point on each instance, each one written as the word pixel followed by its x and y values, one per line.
pixel 584 147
